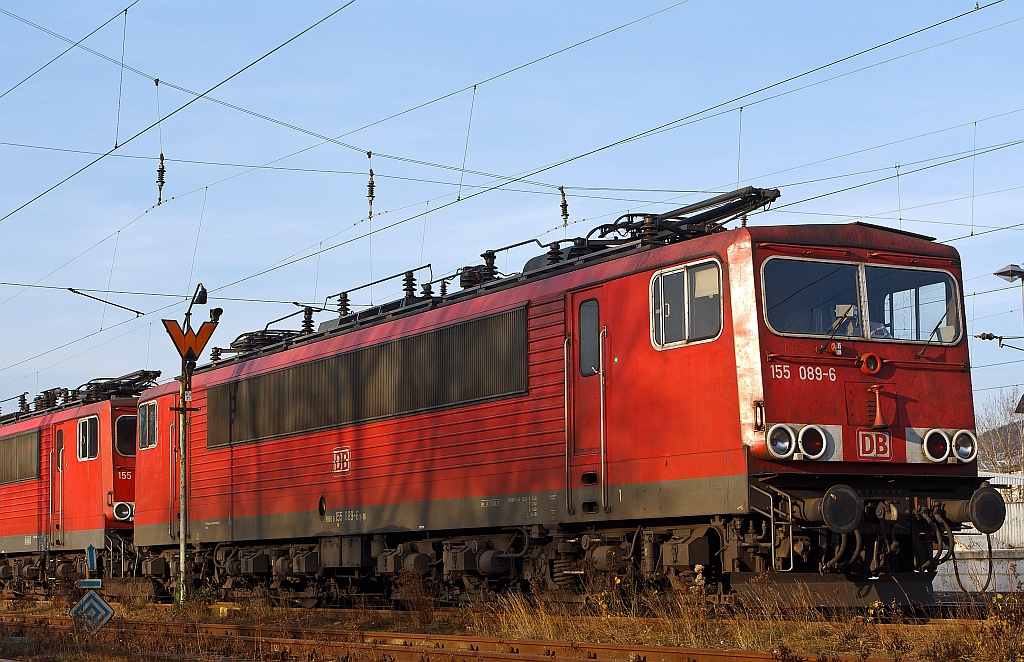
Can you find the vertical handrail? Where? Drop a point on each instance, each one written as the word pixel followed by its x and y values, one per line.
pixel 60 477
pixel 568 471
pixel 788 513
pixel 50 518
pixel 170 479
pixel 789 523
pixel 604 462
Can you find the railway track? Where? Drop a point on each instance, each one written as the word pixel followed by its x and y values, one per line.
pixel 289 643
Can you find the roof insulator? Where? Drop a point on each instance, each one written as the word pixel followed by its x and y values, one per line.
pixel 409 285
pixel 650 229
pixel 555 254
pixel 307 320
pixel 489 270
pixel 343 305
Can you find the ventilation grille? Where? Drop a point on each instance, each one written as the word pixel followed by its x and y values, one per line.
pixel 460 364
pixel 19 457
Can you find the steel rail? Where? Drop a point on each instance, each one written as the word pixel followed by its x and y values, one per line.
pixel 398 647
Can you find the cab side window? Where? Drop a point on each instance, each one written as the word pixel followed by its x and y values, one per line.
pixel 60 450
pixel 88 438
pixel 147 426
pixel 590 338
pixel 686 305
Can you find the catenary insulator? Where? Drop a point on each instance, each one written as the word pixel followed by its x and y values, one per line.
pixel 160 172
pixel 565 207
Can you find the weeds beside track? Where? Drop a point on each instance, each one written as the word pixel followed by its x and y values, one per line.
pixel 520 628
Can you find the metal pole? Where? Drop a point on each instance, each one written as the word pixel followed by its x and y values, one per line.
pixel 182 512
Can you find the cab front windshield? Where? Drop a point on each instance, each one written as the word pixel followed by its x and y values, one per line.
pixel 819 298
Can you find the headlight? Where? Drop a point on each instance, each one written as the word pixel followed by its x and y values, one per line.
pixel 781 442
pixel 812 442
pixel 965 446
pixel 124 511
pixel 936 446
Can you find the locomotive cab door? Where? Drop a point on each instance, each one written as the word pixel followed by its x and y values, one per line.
pixel 588 464
pixel 57 489
pixel 123 457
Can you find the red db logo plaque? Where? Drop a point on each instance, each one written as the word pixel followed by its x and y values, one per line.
pixel 873 445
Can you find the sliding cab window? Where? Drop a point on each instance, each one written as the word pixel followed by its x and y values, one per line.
pixel 88 438
pixel 820 298
pixel 147 426
pixel 686 305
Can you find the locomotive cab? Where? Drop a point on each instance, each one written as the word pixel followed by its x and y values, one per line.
pixel 862 445
pixel 67 470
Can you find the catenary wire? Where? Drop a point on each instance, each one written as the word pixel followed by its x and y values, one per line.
pixel 571 159
pixel 326 139
pixel 133 293
pixel 636 136
pixel 64 52
pixel 177 110
pixel 364 235
pixel 287 156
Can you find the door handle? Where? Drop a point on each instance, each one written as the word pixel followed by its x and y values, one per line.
pixel 110 498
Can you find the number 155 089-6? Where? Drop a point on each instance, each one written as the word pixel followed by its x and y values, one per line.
pixel 806 373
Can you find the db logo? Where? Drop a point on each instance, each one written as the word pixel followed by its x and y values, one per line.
pixel 872 444
pixel 342 460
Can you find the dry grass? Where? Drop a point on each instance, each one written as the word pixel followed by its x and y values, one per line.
pixel 768 621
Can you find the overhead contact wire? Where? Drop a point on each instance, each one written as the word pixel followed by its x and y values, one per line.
pixel 63 53
pixel 176 111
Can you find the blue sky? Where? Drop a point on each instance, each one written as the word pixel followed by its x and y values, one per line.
pixel 913 103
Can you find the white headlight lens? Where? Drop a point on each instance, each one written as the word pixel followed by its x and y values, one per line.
pixel 965 446
pixel 781 442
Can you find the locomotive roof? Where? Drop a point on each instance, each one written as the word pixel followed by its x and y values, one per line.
pixel 118 391
pixel 850 235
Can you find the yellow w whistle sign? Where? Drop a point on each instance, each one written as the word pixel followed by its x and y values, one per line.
pixel 189 343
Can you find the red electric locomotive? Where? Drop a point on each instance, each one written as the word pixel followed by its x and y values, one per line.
pixel 663 395
pixel 67 484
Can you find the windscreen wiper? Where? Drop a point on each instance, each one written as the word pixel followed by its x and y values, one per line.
pixel 835 327
pixel 930 336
